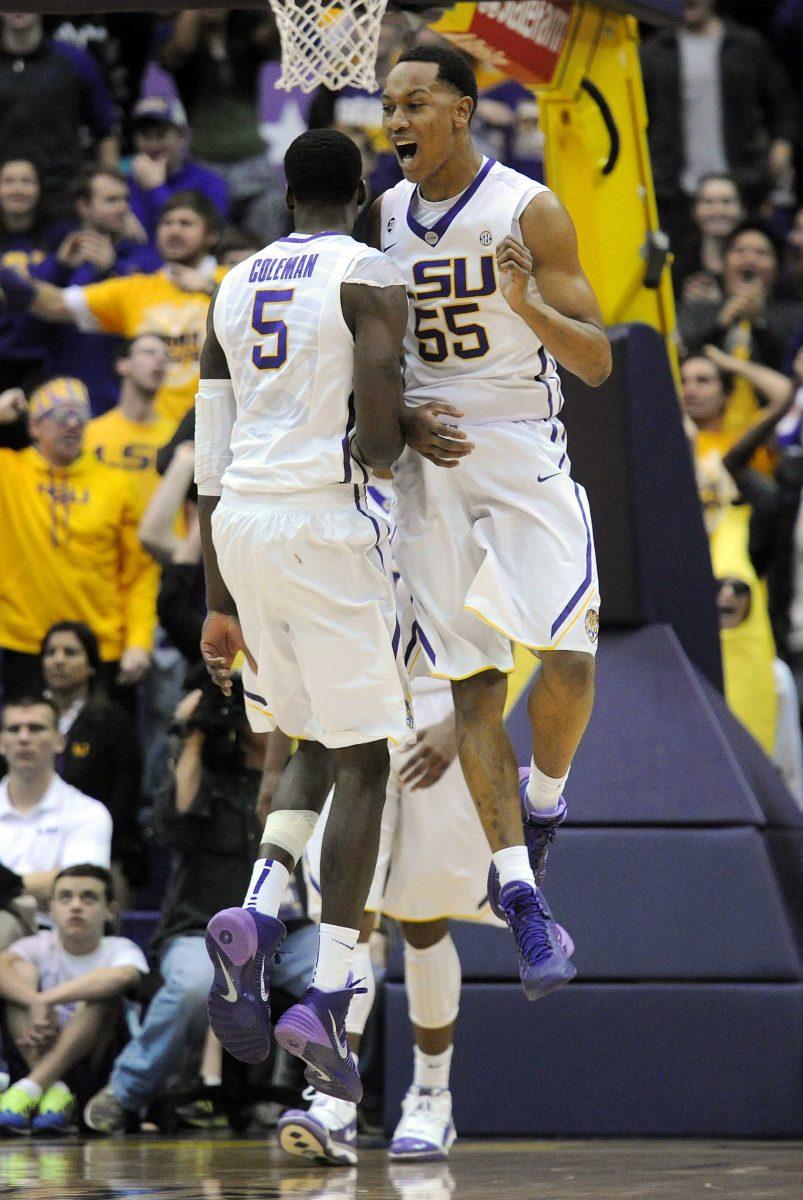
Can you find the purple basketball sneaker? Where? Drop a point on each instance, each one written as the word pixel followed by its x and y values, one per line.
pixel 326 1132
pixel 242 945
pixel 543 963
pixel 539 833
pixel 315 1031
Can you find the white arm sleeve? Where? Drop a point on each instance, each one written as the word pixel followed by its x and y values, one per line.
pixel 374 269
pixel 80 312
pixel 215 414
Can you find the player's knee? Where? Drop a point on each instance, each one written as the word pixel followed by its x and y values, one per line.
pixel 570 670
pixel 423 934
pixel 480 699
pixel 362 766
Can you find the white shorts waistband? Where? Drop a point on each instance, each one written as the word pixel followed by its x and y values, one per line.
pixel 336 495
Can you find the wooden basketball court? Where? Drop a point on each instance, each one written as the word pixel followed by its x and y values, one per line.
pixel 225 1168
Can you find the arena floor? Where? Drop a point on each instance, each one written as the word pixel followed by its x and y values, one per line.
pixel 248 1169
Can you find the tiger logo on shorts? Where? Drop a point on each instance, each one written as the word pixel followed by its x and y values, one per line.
pixel 592 625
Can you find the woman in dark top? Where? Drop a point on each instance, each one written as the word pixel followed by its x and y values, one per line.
pixel 102 756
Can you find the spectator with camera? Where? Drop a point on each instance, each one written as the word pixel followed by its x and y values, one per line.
pixel 208 816
pixel 63 990
pixel 45 824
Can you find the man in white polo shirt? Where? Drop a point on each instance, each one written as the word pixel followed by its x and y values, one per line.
pixel 45 824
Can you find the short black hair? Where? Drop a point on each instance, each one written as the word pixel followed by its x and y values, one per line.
pixel 89 871
pixel 323 166
pixel 199 203
pixel 454 69
pixel 30 700
pixel 753 226
pixel 81 185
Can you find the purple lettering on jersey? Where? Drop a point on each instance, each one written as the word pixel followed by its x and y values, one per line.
pixel 299 271
pixel 289 267
pixel 277 274
pixel 254 276
pixel 313 258
pixel 265 270
pixel 488 284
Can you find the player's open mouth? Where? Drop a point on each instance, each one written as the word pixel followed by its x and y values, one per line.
pixel 406 151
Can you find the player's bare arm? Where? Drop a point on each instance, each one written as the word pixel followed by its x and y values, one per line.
pixel 423 425
pixel 221 636
pixel 544 283
pixel 377 317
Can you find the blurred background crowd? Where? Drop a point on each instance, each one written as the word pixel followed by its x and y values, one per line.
pixel 140 157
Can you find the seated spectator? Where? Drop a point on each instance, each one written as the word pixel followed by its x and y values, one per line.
pixel 749 322
pixel 69 549
pixel 172 302
pixel 45 824
pixel 127 437
pixel 161 166
pixel 51 95
pixel 235 246
pixel 215 58
pixel 102 756
pixel 26 238
pixel 63 990
pixel 107 242
pixel 717 212
pixel 208 816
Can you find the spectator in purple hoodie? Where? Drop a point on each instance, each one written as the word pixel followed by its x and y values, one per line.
pixel 161 166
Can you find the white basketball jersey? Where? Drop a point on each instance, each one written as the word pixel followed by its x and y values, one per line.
pixel 280 323
pixel 464 344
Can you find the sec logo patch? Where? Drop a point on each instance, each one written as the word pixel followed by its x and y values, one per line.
pixel 592 625
pixel 486 237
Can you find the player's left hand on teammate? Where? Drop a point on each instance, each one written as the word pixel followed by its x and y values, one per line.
pixel 516 281
pixel 221 641
pixel 134 665
pixel 434 752
pixel 433 437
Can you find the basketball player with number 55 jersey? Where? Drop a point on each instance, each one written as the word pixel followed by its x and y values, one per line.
pixel 498 549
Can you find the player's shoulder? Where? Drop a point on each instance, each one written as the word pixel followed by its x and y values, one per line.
pixel 511 180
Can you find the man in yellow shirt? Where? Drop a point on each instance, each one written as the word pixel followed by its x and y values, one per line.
pixel 171 302
pixel 69 548
pixel 128 436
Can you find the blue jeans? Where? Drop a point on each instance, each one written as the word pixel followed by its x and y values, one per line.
pixel 176 1020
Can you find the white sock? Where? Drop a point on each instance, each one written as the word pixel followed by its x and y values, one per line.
pixel 267 887
pixel 32 1089
pixel 544 792
pixel 336 944
pixel 212 1080
pixel 361 1005
pixel 513 863
pixel 431 1070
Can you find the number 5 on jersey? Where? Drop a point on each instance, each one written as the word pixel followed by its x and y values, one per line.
pixel 270 327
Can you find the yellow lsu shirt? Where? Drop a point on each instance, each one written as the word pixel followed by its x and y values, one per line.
pixel 135 304
pixel 129 446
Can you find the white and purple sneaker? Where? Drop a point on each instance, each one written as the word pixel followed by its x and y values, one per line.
pixel 426 1130
pixel 315 1030
pixel 242 945
pixel 539 833
pixel 544 964
pixel 326 1132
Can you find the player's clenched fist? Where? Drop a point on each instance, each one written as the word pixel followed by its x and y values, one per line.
pixel 221 641
pixel 515 273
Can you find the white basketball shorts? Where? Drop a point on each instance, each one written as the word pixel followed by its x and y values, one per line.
pixel 433 855
pixel 310 575
pixel 499 549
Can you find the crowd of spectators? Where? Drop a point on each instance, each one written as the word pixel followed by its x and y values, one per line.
pixel 140 158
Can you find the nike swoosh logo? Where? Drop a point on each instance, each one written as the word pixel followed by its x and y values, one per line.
pixel 543 478
pixel 345 945
pixel 342 1050
pixel 231 994
pixel 263 991
pixel 390 247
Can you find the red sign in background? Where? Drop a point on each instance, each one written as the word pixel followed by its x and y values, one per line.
pixel 530 34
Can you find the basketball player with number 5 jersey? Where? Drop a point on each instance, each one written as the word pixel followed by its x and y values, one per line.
pixel 499 548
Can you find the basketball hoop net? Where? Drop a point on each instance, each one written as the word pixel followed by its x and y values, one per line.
pixel 333 42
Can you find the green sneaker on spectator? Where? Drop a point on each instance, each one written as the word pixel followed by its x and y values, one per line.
pixel 56 1111
pixel 16 1109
